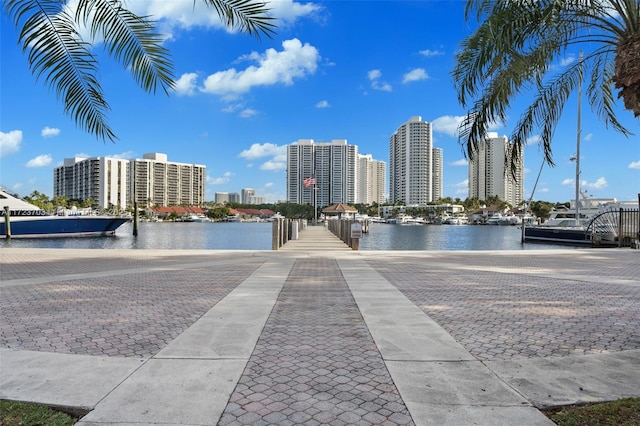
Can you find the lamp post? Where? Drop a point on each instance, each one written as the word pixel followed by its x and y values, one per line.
pixel 315 204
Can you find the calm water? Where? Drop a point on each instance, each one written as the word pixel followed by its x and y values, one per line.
pixel 257 236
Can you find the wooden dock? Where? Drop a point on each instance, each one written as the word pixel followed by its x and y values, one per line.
pixel 315 238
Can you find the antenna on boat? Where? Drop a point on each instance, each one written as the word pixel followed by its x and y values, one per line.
pixel 579 131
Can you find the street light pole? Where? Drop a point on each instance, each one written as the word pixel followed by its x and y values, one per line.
pixel 315 204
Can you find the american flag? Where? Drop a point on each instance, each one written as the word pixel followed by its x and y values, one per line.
pixel 310 181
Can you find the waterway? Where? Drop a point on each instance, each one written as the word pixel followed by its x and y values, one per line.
pixel 257 236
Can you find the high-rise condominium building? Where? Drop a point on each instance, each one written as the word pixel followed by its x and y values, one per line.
pixel 488 175
pixel 102 179
pixel 371 180
pixel 246 194
pixel 332 165
pixel 117 183
pixel 411 163
pixel 437 174
pixel 227 197
pixel 158 182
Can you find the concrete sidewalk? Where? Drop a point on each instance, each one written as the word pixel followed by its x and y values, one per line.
pixel 318 335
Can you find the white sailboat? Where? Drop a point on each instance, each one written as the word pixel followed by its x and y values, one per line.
pixel 576 232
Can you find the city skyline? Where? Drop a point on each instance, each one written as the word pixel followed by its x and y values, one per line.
pixel 325 75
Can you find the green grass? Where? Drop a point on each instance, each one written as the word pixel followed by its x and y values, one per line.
pixel 623 412
pixel 27 414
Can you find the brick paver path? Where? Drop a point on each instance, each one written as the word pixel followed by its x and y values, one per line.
pixel 315 362
pixel 513 315
pixel 131 315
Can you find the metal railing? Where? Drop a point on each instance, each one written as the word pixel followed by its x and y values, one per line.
pixel 616 228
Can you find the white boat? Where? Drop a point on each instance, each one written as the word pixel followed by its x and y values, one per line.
pixel 400 219
pixel 562 226
pixel 29 221
pixel 510 220
pixel 456 220
pixel 415 221
pixel 494 219
pixel 567 230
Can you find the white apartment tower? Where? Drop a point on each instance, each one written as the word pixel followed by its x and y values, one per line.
pixel 227 197
pixel 490 176
pixel 411 163
pixel 437 174
pixel 158 182
pixel 371 180
pixel 102 179
pixel 246 194
pixel 332 164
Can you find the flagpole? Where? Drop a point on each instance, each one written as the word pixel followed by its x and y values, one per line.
pixel 315 204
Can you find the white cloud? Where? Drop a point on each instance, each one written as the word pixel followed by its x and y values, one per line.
pixel 567 182
pixel 567 60
pixel 186 84
pixel 588 137
pixel 294 61
pixel 264 150
pixel 268 185
pixel 543 190
pixel 374 74
pixel 634 165
pixel 248 112
pixel 463 184
pixel 10 142
pixel 40 161
pixel 374 77
pixel 48 132
pixel 278 154
pixel 187 14
pixel 323 104
pixel 461 162
pixel 233 107
pixel 274 165
pixel 532 140
pixel 415 75
pixel 127 155
pixel 288 11
pixel 447 124
pixel 428 52
pixel 219 180
pixel 598 184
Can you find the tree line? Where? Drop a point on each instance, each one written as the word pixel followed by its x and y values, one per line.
pixel 217 211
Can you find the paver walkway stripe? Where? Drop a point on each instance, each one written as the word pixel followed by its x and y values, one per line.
pixel 191 379
pixel 437 378
pixel 315 362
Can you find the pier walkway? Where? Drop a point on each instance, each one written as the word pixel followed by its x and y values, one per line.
pixel 317 335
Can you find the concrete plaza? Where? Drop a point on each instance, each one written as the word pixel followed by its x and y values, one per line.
pixel 317 333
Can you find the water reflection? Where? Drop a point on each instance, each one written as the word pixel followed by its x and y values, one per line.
pixel 257 236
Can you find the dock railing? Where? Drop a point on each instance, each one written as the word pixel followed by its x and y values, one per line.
pixel 284 230
pixel 342 228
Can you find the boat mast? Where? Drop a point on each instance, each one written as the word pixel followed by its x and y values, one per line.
pixel 578 141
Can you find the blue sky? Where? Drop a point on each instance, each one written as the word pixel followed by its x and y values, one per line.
pixel 352 70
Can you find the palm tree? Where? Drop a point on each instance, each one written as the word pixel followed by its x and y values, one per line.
pixel 513 50
pixel 50 35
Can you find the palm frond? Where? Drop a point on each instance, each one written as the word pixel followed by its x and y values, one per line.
pixel 251 16
pixel 600 91
pixel 56 53
pixel 512 51
pixel 130 39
